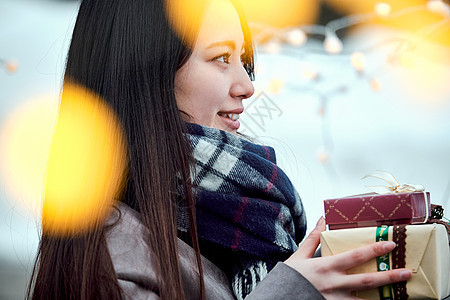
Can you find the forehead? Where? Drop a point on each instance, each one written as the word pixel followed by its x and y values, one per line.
pixel 220 23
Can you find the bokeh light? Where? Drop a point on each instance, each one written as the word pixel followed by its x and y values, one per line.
pixel 425 69
pixel 358 60
pixel 86 164
pixel 375 85
pixel 12 66
pixel 296 37
pixel 281 13
pixel 323 156
pixel 411 21
pixel 67 164
pixel 24 145
pixel 332 44
pixel 382 9
pixel 439 7
pixel 185 16
pixel 272 47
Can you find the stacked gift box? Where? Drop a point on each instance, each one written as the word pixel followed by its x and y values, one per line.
pixel 423 248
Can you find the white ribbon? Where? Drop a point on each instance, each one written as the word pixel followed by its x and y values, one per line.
pixel 395 187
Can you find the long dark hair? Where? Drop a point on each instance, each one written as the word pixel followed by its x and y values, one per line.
pixel 126 52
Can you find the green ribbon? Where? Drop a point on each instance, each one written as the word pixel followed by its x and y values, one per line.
pixel 383 263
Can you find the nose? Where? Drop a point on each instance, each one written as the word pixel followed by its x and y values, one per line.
pixel 242 86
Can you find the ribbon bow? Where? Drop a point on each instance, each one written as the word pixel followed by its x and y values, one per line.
pixel 394 186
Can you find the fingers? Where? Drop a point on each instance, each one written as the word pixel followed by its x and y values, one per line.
pixel 373 280
pixel 358 256
pixel 310 244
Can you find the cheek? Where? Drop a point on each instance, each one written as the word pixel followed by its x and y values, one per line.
pixel 208 91
pixel 201 91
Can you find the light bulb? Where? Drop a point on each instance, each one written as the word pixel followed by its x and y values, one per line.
pixel 296 37
pixel 382 9
pixel 273 47
pixel 375 85
pixel 12 66
pixel 310 74
pixel 358 61
pixel 321 111
pixel 323 156
pixel 332 44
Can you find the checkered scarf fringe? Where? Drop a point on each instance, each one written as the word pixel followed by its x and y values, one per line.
pixel 244 203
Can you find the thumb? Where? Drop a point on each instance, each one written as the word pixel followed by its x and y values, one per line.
pixel 310 244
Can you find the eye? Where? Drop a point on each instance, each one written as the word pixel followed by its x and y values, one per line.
pixel 223 58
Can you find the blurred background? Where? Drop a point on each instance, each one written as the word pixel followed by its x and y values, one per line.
pixel 343 88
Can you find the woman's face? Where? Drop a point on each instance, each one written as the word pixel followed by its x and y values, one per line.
pixel 210 87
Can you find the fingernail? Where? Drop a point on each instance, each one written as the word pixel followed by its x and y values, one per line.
pixel 405 275
pixel 321 222
pixel 389 246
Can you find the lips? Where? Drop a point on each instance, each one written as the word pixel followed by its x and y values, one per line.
pixel 233 117
pixel 230 118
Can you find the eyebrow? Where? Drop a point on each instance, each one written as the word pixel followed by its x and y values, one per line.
pixel 229 43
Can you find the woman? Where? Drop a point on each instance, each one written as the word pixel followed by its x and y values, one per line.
pixel 158 74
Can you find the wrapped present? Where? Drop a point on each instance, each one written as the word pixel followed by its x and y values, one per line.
pixel 424 249
pixel 389 205
pixel 377 209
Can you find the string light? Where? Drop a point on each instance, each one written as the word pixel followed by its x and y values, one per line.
pixel 382 9
pixel 332 44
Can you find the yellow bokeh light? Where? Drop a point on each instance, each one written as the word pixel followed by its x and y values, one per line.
pixel 69 165
pixel 86 163
pixel 426 70
pixel 24 145
pixel 186 16
pixel 281 13
pixel 382 9
pixel 424 14
pixel 439 7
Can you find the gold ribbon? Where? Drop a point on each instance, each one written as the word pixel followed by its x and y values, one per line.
pixel 394 187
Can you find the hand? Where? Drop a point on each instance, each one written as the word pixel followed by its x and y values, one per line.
pixel 328 274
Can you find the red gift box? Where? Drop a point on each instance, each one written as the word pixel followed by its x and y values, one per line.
pixel 368 210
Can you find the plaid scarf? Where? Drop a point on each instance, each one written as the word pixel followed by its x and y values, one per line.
pixel 244 203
